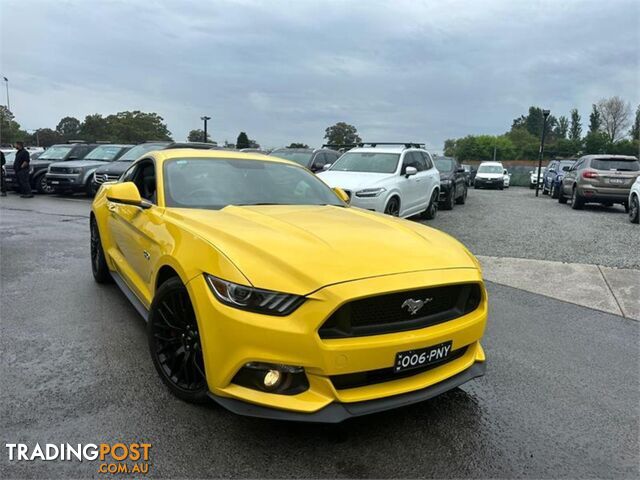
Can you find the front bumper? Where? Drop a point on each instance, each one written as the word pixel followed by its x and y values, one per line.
pixel 494 183
pixel 65 182
pixel 231 338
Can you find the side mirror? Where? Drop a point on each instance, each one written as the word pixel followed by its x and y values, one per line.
pixel 410 171
pixel 326 166
pixel 127 194
pixel 342 195
pixel 460 170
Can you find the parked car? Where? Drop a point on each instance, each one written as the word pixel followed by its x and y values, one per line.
pixel 471 174
pixel 554 174
pixel 255 294
pixel 77 176
pixel 62 152
pixel 400 180
pixel 605 179
pixel 506 177
pixel 490 175
pixel 533 177
pixel 314 160
pixel 113 170
pixel 634 202
pixel 453 182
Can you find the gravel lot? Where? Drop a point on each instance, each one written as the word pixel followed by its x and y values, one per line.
pixel 514 223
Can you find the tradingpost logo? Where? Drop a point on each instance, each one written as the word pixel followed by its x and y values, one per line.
pixel 111 457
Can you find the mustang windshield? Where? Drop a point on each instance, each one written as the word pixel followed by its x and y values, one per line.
pixel 216 183
pixel 372 162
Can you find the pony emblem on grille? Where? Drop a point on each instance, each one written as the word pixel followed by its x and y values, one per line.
pixel 414 306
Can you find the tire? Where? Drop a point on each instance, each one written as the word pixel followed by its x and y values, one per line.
pixel 577 202
pixel 462 199
pixel 40 184
pixel 89 190
pixel 501 187
pixel 432 209
pixel 174 342
pixel 634 210
pixel 393 207
pixel 449 201
pixel 532 186
pixel 561 198
pixel 554 191
pixel 99 266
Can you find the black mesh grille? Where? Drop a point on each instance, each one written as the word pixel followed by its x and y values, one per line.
pixel 392 312
pixel 371 377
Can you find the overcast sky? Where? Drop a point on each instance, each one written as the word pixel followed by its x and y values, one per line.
pixel 284 71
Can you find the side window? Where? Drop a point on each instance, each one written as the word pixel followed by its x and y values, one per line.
pixel 427 159
pixel 319 160
pixel 145 179
pixel 421 162
pixel 579 165
pixel 410 160
pixel 128 175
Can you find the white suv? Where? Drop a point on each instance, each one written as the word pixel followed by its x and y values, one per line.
pixel 397 179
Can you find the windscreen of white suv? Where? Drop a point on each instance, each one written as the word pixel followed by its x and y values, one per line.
pixel 370 162
pixel 490 169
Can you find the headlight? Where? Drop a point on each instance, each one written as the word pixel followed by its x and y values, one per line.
pixel 370 192
pixel 445 182
pixel 75 170
pixel 256 300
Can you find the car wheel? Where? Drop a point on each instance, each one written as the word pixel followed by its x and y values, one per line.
pixel 501 187
pixel 554 191
pixel 634 210
pixel 393 207
pixel 174 342
pixel 532 186
pixel 89 190
pixel 432 208
pixel 41 184
pixel 99 266
pixel 462 199
pixel 449 201
pixel 475 186
pixel 577 202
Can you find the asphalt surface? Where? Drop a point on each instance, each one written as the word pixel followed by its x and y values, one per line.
pixel 514 223
pixel 560 398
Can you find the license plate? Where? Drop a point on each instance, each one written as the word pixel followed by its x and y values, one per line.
pixel 55 182
pixel 421 357
pixel 617 181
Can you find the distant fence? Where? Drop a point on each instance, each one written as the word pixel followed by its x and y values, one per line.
pixel 519 170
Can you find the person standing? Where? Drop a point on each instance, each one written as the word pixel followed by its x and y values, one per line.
pixel 3 185
pixel 21 167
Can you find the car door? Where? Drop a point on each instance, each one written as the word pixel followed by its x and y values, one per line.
pixel 432 178
pixel 460 179
pixel 136 230
pixel 570 177
pixel 410 186
pixel 549 175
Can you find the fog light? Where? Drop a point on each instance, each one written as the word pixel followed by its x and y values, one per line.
pixel 272 378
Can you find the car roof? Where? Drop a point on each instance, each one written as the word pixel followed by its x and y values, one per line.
pixel 384 149
pixel 193 153
pixel 621 157
pixel 497 164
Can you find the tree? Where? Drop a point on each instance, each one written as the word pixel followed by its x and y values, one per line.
pixel 533 122
pixel 342 134
pixel 10 130
pixel 526 145
pixel 614 115
pixel 596 142
pixel 449 147
pixel 45 137
pixel 594 120
pixel 562 128
pixel 69 128
pixel 298 145
pixel 197 135
pixel 575 130
pixel 242 141
pixel 136 127
pixel 94 127
pixel 634 132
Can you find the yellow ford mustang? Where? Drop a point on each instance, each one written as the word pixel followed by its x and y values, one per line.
pixel 264 290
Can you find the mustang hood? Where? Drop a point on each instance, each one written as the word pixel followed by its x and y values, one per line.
pixel 299 249
pixel 353 181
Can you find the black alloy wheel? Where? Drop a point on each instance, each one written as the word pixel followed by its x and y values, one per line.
pixel 99 266
pixel 393 207
pixel 634 210
pixel 462 199
pixel 174 342
pixel 432 208
pixel 449 200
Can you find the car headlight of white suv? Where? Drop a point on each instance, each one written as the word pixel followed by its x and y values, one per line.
pixel 370 192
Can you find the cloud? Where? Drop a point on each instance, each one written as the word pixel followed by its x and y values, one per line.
pixel 284 71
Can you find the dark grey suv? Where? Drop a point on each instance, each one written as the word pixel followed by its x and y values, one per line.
pixel 604 179
pixel 314 160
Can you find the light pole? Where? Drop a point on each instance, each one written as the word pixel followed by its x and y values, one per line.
pixel 205 119
pixel 545 114
pixel 6 82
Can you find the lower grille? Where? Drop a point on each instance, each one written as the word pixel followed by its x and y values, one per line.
pixel 372 377
pixel 392 312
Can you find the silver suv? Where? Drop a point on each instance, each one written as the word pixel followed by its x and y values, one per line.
pixel 604 179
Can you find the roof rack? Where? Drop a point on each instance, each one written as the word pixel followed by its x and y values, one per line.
pixel 340 145
pixel 406 144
